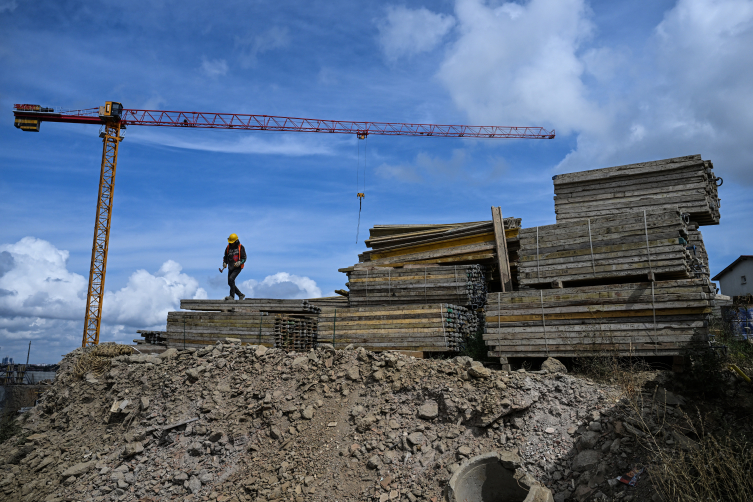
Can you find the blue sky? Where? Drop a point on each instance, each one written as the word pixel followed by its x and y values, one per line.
pixel 620 81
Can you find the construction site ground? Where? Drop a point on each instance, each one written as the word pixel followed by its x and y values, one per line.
pixel 246 423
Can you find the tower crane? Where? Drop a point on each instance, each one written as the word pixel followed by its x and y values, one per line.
pixel 113 119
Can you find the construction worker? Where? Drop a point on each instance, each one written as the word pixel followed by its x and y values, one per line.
pixel 235 257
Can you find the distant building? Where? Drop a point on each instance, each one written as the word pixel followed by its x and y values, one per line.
pixel 737 278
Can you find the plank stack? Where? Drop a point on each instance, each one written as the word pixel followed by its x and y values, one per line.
pixel 698 251
pixel 289 324
pixel 687 184
pixel 251 305
pixel 434 327
pixel 442 244
pixel 463 285
pixel 191 329
pixel 605 249
pixel 645 318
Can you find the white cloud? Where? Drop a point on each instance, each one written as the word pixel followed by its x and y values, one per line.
pixel 147 298
pixel 407 32
pixel 252 45
pixel 281 285
pixel 40 299
pixel 292 145
pixel 214 67
pixel 36 283
pixel 518 64
pixel 685 90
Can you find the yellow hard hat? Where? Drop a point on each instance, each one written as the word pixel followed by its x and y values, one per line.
pixel 232 238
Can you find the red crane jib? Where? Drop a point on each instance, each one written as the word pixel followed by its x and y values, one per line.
pixel 287 124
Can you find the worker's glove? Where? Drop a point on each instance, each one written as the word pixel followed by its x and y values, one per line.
pixel 237 264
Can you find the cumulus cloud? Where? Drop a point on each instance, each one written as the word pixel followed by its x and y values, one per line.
pixel 406 32
pixel 685 90
pixel 281 285
pixel 37 284
pixel 40 299
pixel 213 67
pixel 518 65
pixel 252 45
pixel 147 298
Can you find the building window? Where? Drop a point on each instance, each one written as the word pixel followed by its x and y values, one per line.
pixel 743 280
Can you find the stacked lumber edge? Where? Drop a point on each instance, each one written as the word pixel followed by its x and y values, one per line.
pixel 598 250
pixel 285 324
pixel 450 244
pixel 687 184
pixel 432 327
pixel 646 318
pixel 453 284
pixel 623 271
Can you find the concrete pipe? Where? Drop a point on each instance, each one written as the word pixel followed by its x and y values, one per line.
pixel 495 477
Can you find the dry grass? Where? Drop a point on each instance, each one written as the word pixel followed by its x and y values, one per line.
pixel 97 360
pixel 687 459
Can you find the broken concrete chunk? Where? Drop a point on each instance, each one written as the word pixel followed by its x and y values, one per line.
pixel 261 351
pixel 585 460
pixel 78 469
pixel 416 438
pixel 552 365
pixel 353 373
pixel 308 412
pixel 232 340
pixel 479 371
pixel 428 410
pixel 144 403
pixel 168 354
pixel 132 449
pixel 373 462
pixel 215 436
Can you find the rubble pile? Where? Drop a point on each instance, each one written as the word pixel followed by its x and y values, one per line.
pixel 247 423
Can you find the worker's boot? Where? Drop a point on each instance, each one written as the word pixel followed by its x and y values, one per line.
pixel 230 298
pixel 241 296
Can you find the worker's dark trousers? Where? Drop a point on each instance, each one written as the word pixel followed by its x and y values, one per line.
pixel 232 273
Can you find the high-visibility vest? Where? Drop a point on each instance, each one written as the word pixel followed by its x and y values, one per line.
pixel 239 252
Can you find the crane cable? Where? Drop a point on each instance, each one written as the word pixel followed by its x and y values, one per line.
pixel 360 195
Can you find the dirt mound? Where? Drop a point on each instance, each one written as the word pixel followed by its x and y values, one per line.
pixel 246 423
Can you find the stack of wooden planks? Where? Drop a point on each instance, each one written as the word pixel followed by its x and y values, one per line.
pixel 698 250
pixel 446 244
pixel 463 285
pixel 434 327
pixel 687 184
pixel 660 318
pixel 190 329
pixel 251 305
pixel 605 249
